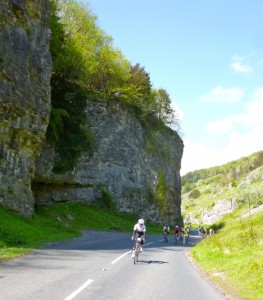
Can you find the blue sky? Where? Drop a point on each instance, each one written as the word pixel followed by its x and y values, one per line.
pixel 208 55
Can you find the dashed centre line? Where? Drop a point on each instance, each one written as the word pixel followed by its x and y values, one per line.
pixel 88 282
pixel 120 257
pixel 77 291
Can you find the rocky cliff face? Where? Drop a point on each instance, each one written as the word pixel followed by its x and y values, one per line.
pixel 25 70
pixel 137 166
pixel 134 164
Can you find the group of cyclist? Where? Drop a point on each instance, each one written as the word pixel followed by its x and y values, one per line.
pixel 204 232
pixel 179 233
pixel 139 231
pixel 183 233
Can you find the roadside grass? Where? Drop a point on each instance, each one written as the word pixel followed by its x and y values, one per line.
pixel 58 222
pixel 233 256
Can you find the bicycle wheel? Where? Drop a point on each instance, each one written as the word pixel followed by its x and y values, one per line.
pixel 165 239
pixel 136 252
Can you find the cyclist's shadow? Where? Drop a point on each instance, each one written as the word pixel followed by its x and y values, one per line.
pixel 153 262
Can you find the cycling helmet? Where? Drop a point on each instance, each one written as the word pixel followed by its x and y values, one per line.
pixel 141 221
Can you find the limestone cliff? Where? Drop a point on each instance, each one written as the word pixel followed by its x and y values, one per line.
pixel 138 166
pixel 135 164
pixel 25 70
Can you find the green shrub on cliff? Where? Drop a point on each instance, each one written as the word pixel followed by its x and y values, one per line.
pixel 160 192
pixel 68 126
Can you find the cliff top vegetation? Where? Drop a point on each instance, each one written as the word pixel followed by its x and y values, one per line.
pixel 86 65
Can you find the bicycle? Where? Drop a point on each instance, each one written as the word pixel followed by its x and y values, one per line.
pixel 176 237
pixel 185 239
pixel 165 237
pixel 137 249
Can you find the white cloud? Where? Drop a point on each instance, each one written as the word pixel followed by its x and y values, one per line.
pixel 255 108
pixel 236 143
pixel 195 156
pixel 221 126
pixel 223 95
pixel 198 156
pixel 238 65
pixel 241 68
pixel 253 115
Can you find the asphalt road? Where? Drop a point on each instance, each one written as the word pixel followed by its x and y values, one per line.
pixel 98 266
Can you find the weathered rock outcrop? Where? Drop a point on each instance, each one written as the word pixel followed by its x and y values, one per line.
pixel 136 165
pixel 25 71
pixel 214 214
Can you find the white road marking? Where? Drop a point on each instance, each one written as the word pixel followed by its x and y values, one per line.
pixel 120 257
pixel 88 282
pixel 148 244
pixel 74 294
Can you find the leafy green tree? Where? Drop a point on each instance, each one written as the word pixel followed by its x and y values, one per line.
pixel 140 79
pixel 160 106
pixel 100 66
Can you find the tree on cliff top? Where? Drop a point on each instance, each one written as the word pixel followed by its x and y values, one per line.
pixel 84 53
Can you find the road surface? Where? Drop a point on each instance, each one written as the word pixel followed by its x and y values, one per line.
pixel 98 266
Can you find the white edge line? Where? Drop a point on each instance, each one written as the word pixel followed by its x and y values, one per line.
pixel 120 257
pixel 84 285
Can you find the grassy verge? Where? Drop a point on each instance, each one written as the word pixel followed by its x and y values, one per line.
pixel 233 257
pixel 57 222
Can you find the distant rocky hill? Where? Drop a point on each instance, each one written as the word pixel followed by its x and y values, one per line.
pixel 208 194
pixel 133 167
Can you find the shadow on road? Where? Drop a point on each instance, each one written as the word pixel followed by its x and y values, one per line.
pixel 153 262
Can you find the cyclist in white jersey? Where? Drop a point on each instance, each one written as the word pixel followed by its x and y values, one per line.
pixel 139 231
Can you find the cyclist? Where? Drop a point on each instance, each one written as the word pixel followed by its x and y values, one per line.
pixel 202 231
pixel 139 231
pixel 188 232
pixel 185 232
pixel 177 232
pixel 205 232
pixel 166 231
pixel 199 231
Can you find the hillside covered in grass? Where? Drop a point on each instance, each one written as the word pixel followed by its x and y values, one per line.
pixel 232 257
pixel 208 194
